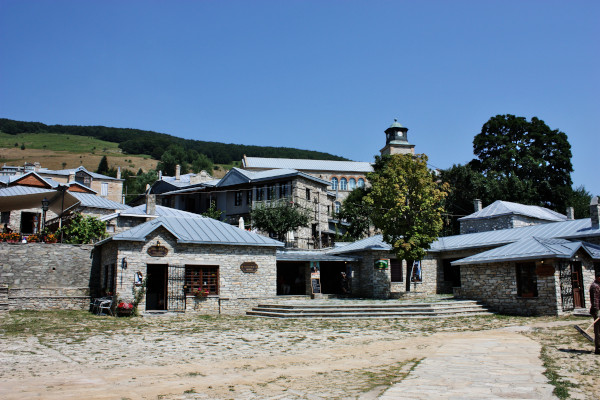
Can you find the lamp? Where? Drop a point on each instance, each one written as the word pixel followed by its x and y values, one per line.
pixel 45 204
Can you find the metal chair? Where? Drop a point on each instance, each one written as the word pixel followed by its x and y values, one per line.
pixel 105 305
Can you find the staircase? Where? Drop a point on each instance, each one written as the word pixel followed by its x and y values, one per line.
pixel 371 309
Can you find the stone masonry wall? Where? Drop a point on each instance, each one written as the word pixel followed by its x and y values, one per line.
pixel 496 285
pixel 496 223
pixel 46 276
pixel 235 286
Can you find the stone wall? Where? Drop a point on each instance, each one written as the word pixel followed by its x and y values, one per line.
pixel 43 276
pixel 496 223
pixel 496 285
pixel 234 285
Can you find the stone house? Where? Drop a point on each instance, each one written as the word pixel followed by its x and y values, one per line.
pixel 505 214
pixel 178 256
pixel 541 269
pixel 21 199
pixel 239 191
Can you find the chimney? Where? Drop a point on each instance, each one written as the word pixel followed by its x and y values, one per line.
pixel 570 213
pixel 595 212
pixel 160 175
pixel 150 204
pixel 177 172
pixel 118 172
pixel 477 205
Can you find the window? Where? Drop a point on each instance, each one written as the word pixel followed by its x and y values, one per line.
pixel 270 193
pixel 283 190
pixel 307 194
pixel 5 217
pixel 259 193
pixel 337 206
pixel 202 277
pixel 352 184
pixel 361 182
pixel 83 178
pixel 249 197
pixel 343 184
pixel 334 183
pixel 104 189
pixel 526 280
pixel 239 195
pixel 396 270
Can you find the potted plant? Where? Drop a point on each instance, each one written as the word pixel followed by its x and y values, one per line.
pixel 33 238
pixel 13 237
pixel 200 293
pixel 50 238
pixel 124 309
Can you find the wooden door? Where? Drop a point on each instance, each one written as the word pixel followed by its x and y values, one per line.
pixel 577 282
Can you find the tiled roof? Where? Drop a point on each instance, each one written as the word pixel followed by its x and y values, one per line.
pixel 531 248
pixel 500 207
pixel 196 230
pixel 307 165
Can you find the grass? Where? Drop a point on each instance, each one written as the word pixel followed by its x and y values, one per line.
pixel 561 387
pixel 59 142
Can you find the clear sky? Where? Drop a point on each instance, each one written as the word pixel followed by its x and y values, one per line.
pixel 320 75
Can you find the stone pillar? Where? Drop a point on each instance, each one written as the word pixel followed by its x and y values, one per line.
pixel 150 204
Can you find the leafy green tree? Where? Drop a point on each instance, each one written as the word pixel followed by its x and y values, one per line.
pixel 580 201
pixel 135 185
pixel 407 203
pixel 103 166
pixel 357 213
pixel 530 162
pixel 201 162
pixel 173 156
pixel 213 212
pixel 279 218
pixel 82 230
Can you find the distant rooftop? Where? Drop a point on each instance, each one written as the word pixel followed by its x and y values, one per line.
pixel 306 165
pixel 501 207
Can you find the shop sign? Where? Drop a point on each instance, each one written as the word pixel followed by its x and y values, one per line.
pixel 249 267
pixel 158 251
pixel 382 264
pixel 542 270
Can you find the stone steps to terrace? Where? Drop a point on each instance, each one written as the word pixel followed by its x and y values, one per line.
pixel 370 309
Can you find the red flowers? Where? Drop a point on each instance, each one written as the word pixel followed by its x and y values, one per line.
pixel 125 306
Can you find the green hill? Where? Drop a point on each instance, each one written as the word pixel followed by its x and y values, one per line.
pixel 136 141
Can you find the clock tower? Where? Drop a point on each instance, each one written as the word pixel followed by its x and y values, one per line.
pixel 396 141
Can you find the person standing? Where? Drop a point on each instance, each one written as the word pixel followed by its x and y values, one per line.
pixel 595 310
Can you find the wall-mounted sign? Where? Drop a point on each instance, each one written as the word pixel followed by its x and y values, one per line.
pixel 249 267
pixel 545 269
pixel 158 251
pixel 315 270
pixel 382 264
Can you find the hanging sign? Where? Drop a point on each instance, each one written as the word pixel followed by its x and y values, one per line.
pixel 382 264
pixel 249 267
pixel 157 250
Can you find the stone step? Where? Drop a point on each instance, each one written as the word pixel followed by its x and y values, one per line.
pixel 362 310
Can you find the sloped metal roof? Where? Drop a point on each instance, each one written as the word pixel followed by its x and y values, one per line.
pixel 160 211
pixel 239 176
pixel 91 200
pixel 315 255
pixel 532 248
pixel 500 207
pixel 307 165
pixel 371 243
pixel 67 172
pixel 21 197
pixel 196 230
pixel 579 228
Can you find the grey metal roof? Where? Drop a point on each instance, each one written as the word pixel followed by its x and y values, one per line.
pixel 237 176
pixel 315 255
pixel 531 248
pixel 93 201
pixel 67 172
pixel 160 211
pixel 579 228
pixel 23 190
pixel 196 230
pixel 500 207
pixel 371 243
pixel 307 165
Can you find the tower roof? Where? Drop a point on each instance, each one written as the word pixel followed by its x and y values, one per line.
pixel 396 124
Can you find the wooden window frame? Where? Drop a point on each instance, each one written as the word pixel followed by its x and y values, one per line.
pixel 195 278
pixel 526 280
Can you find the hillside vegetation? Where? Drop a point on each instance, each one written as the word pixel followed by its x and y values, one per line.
pixel 154 144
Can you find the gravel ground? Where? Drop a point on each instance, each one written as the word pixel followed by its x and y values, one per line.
pixel 77 355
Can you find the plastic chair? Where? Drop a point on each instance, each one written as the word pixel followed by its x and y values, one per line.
pixel 105 305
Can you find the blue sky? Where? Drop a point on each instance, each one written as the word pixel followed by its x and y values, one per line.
pixel 319 75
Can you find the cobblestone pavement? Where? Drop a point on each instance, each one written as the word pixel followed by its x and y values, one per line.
pixel 497 364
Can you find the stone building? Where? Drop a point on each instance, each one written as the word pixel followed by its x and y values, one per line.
pixel 239 191
pixel 504 215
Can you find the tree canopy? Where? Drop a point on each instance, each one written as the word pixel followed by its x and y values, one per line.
pixel 279 218
pixel 528 159
pixel 407 203
pixel 357 213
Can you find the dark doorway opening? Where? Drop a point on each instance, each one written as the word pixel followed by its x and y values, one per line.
pixel 331 277
pixel 30 222
pixel 291 278
pixel 156 287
